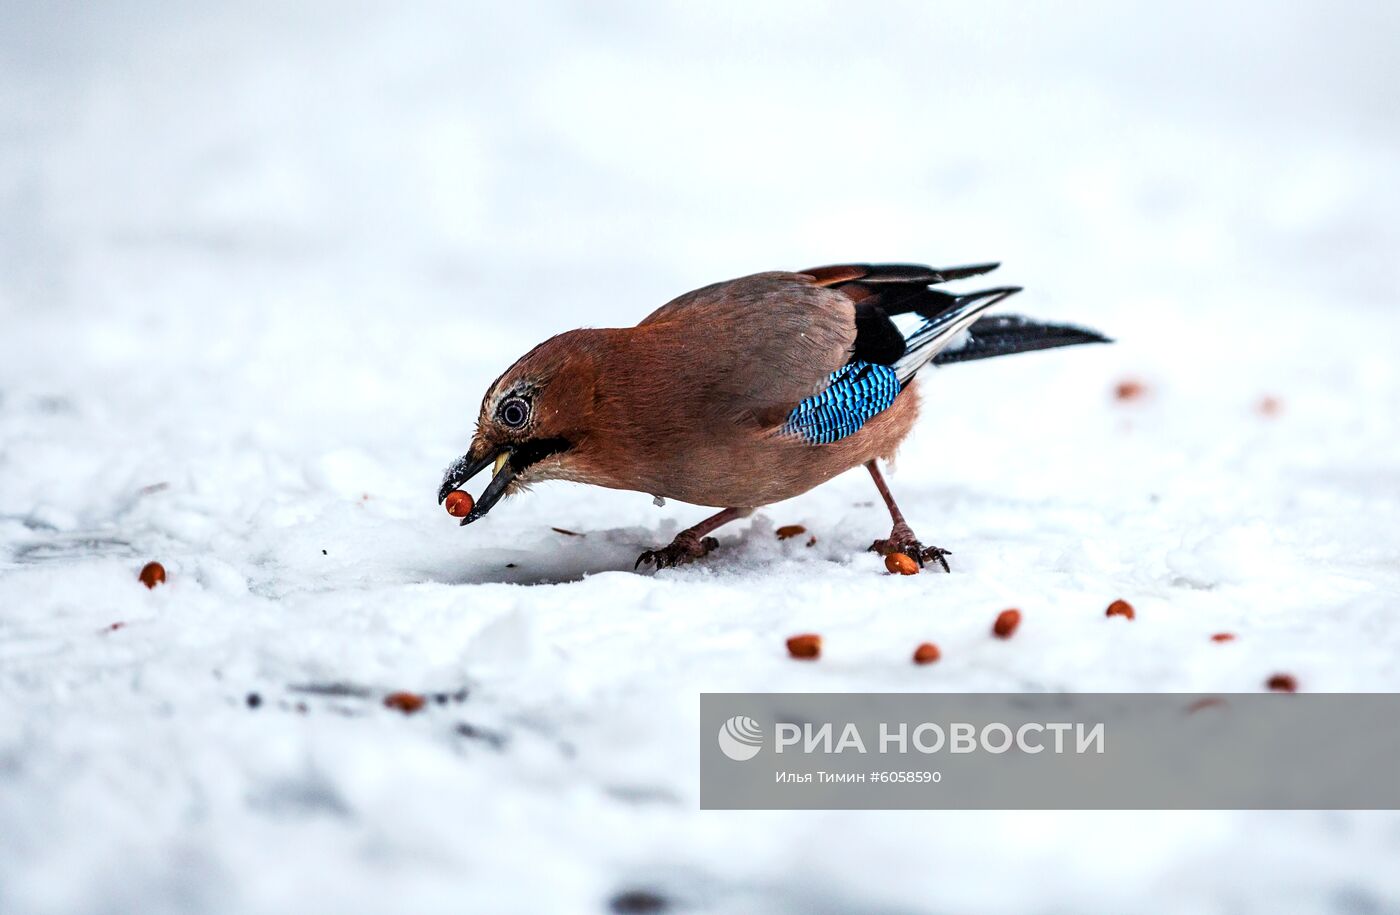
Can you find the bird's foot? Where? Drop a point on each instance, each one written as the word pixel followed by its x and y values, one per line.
pixel 902 540
pixel 685 548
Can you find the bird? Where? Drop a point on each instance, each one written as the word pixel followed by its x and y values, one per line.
pixel 744 393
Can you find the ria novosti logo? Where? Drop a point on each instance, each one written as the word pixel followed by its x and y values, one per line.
pixel 740 738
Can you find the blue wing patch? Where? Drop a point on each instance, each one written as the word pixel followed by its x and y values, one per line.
pixel 853 394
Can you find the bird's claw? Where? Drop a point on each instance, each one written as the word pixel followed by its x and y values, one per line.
pixel 904 541
pixel 680 551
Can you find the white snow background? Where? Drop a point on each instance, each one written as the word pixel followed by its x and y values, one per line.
pixel 258 263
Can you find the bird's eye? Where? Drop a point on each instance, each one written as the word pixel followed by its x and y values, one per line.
pixel 514 412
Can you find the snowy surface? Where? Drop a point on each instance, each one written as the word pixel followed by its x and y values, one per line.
pixel 257 266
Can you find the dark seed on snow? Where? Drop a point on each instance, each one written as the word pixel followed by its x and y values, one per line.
pixel 633 901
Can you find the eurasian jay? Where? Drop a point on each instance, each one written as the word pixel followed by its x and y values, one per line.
pixel 742 393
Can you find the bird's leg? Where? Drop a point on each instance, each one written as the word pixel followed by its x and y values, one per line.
pixel 692 543
pixel 902 539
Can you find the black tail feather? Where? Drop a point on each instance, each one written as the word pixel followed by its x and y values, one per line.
pixel 1003 335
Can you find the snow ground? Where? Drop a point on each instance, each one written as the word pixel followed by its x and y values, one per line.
pixel 258 265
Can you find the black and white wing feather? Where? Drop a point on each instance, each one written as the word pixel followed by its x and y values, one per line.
pixel 903 324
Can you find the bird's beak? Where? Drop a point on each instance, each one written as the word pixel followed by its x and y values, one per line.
pixel 466 467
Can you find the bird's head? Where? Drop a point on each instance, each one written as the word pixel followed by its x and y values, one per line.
pixel 531 422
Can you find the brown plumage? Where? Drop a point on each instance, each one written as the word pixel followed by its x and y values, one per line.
pixel 697 401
